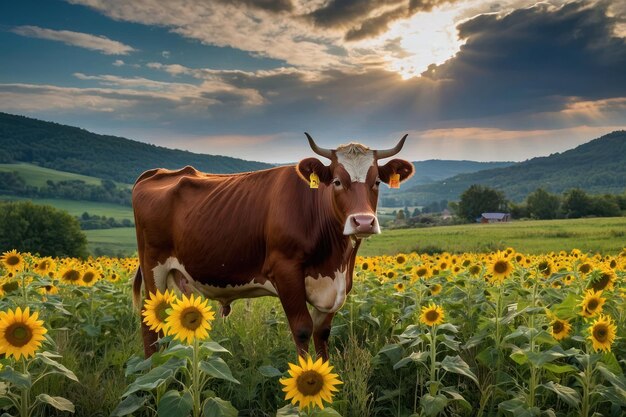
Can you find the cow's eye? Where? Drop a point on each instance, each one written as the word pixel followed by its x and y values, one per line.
pixel 377 183
pixel 337 183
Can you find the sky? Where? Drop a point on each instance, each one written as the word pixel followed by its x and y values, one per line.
pixel 501 80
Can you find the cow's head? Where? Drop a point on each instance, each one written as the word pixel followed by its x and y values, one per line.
pixel 355 175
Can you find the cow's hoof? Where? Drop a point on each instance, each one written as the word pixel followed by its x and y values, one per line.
pixel 225 310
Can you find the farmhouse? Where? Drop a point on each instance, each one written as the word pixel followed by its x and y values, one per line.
pixel 494 218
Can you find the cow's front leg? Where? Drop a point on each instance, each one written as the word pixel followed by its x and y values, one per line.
pixel 289 280
pixel 322 323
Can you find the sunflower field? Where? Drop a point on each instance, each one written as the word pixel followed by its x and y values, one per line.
pixel 471 334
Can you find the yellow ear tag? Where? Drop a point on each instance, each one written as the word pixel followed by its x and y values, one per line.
pixel 314 180
pixel 394 181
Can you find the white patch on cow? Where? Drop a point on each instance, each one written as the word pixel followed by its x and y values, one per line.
pixel 356 159
pixel 164 279
pixel 325 293
pixel 227 294
pixel 350 229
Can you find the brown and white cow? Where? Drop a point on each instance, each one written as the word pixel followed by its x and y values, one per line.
pixel 263 233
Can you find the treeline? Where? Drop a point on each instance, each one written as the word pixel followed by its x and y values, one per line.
pixel 540 204
pixel 12 183
pixel 93 221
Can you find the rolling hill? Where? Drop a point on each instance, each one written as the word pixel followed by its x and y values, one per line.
pixel 598 166
pixel 71 149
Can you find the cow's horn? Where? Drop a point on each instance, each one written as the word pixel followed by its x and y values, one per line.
pixel 326 153
pixel 386 153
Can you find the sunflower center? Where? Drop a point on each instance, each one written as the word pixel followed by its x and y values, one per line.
pixel 432 315
pixel 191 318
pixel 500 267
pixel 44 265
pixel 12 260
pixel 161 311
pixel 558 327
pixel 592 304
pixel 310 382
pixel 600 333
pixel 421 272
pixel 88 277
pixel 18 334
pixel 585 268
pixel 601 283
pixel 71 275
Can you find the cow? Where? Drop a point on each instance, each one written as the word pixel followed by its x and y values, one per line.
pixel 263 233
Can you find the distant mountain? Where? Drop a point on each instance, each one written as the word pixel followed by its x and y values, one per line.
pixel 76 150
pixel 598 166
pixel 433 170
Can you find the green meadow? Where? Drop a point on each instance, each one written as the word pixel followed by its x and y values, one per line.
pixel 604 235
pixel 37 176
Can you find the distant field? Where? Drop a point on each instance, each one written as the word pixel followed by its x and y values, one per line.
pixel 605 235
pixel 37 176
pixel 121 239
pixel 76 208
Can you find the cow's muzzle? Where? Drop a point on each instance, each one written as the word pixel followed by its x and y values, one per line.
pixel 361 225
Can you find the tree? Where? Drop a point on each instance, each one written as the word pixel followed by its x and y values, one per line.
pixel 44 230
pixel 577 203
pixel 543 205
pixel 479 199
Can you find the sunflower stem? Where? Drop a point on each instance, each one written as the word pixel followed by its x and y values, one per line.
pixel 196 391
pixel 433 387
pixel 25 403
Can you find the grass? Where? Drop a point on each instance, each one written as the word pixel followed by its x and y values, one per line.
pixel 120 239
pixel 605 235
pixel 76 208
pixel 37 176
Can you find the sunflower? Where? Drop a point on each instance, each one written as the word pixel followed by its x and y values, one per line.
pixel 70 274
pixel 43 266
pixel 90 277
pixel 602 333
pixel 155 310
pixel 190 319
pixel 400 259
pixel 475 269
pixel 500 268
pixel 545 267
pixel 559 329
pixel 49 290
pixel 592 303
pixel 432 315
pixel 422 271
pixel 20 333
pixel 435 289
pixel 13 261
pixel 310 383
pixel 399 287
pixel 585 268
pixel 604 281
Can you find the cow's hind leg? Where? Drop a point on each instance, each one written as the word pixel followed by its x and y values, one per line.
pixel 321 332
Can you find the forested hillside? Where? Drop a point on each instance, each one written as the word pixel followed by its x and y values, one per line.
pixel 71 149
pixel 598 166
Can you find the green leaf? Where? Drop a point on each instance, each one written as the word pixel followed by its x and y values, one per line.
pixel 91 330
pixel 567 394
pixel 288 411
pixel 540 358
pixel 448 327
pixel 128 405
pixel 326 412
pixel 216 407
pixel 60 403
pixel 558 369
pixel 217 368
pixel 173 404
pixel 393 352
pixel 58 368
pixel 413 357
pixel 214 347
pixel 457 365
pixel 18 379
pixel 433 405
pixel 519 356
pixel 269 371
pixel 614 380
pixel 149 381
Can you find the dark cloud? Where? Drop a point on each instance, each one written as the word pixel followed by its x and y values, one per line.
pixel 268 5
pixel 534 59
pixel 368 18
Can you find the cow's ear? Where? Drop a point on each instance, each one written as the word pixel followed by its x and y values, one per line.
pixel 396 166
pixel 313 165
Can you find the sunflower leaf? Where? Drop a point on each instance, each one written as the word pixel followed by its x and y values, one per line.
pixel 173 404
pixel 216 407
pixel 214 347
pixel 269 371
pixel 567 394
pixel 58 368
pixel 129 405
pixel 457 365
pixel 60 403
pixel 16 378
pixel 217 368
pixel 433 405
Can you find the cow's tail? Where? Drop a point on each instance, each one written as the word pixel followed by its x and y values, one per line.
pixel 137 283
